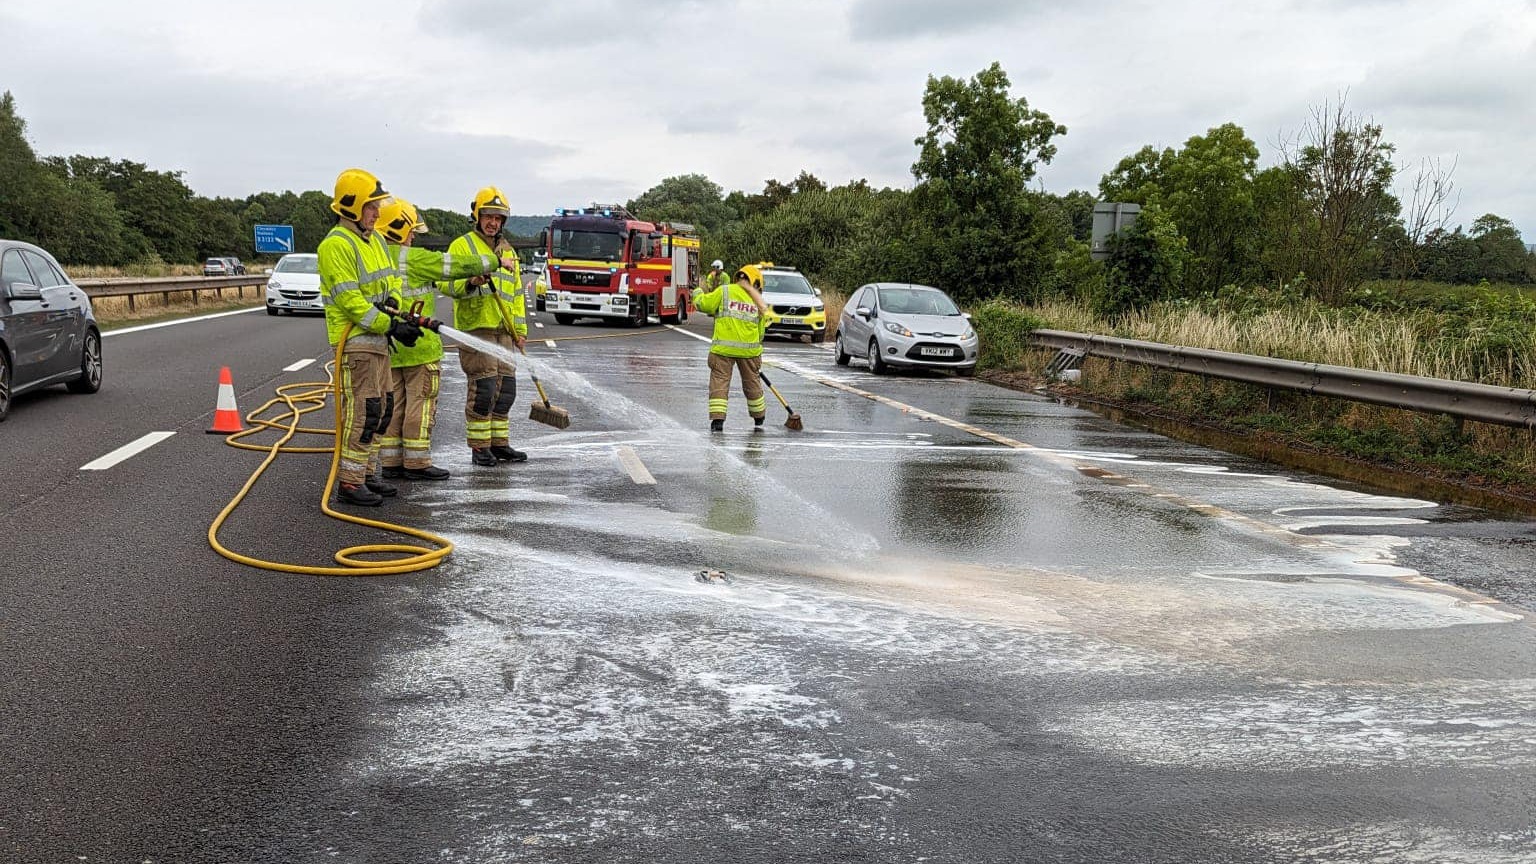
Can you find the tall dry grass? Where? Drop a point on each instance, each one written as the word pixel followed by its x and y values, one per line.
pixel 1410 344
pixel 134 271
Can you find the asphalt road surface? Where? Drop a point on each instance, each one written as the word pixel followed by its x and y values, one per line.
pixel 963 624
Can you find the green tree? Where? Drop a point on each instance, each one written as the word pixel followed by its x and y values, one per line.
pixel 690 198
pixel 1210 198
pixel 978 233
pixel 1139 178
pixel 1501 252
pixel 18 171
pixel 1146 264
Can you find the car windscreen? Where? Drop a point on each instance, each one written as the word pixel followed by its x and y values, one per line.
pixel 588 245
pixel 916 301
pixel 786 283
pixel 306 264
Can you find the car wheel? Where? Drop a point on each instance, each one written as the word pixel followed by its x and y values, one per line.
pixel 5 385
pixel 90 366
pixel 819 337
pixel 538 305
pixel 842 357
pixel 562 318
pixel 271 310
pixel 876 365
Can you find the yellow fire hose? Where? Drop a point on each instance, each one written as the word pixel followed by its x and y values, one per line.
pixel 311 396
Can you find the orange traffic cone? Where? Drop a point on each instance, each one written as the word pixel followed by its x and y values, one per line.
pixel 226 417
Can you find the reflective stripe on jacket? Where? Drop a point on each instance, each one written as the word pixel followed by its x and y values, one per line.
pixel 714 279
pixel 739 324
pixel 475 307
pixel 354 273
pixel 414 279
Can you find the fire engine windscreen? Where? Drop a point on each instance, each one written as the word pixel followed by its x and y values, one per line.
pixel 588 245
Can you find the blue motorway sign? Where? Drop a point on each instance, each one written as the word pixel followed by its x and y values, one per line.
pixel 274 238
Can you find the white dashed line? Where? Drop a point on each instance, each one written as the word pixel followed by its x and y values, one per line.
pixel 127 451
pixel 634 467
pixel 299 365
pixel 538 325
pixel 550 343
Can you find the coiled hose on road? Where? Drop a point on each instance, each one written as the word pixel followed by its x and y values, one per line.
pixel 301 399
pixel 311 395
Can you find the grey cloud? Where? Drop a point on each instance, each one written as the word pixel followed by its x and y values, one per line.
pixel 235 136
pixel 568 26
pixel 883 20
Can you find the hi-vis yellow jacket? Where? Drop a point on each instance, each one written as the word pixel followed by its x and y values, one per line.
pixel 413 282
pixel 739 324
pixel 475 308
pixel 355 273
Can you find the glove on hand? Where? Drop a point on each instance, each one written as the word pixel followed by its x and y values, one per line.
pixel 387 306
pixel 404 332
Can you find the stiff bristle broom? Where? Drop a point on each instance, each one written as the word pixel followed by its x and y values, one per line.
pixel 794 421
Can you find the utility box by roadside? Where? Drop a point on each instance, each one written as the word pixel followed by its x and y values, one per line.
pixel 1110 219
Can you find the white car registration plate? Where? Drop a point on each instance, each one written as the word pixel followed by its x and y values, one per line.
pixel 791 320
pixel 936 352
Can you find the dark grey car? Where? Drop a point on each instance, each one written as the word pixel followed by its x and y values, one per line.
pixel 48 333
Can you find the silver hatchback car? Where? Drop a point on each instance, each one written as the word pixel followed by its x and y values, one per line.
pixel 898 324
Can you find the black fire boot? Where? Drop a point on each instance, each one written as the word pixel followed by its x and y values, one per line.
pixel 483 457
pixel 758 421
pixel 431 472
pixel 717 425
pixel 507 454
pixel 394 472
pixel 360 496
pixel 379 487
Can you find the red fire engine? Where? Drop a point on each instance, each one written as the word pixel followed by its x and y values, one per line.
pixel 604 263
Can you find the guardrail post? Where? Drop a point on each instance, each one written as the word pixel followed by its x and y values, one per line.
pixel 130 302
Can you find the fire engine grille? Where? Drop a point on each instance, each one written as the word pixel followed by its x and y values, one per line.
pixel 792 310
pixel 580 279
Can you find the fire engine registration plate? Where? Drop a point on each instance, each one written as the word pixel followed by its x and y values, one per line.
pixel 936 352
pixel 792 320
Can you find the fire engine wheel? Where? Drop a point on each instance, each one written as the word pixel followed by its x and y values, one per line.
pixel 682 310
pixel 638 314
pixel 566 320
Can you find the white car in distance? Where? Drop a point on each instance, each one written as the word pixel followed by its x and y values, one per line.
pixel 294 285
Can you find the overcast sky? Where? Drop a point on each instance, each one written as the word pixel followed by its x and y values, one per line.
pixel 568 101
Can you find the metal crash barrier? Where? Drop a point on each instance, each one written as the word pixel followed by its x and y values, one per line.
pixel 1506 406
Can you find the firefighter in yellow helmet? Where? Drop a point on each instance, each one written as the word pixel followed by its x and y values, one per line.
pixel 740 320
pixel 355 288
pixel 416 372
pixel 492 308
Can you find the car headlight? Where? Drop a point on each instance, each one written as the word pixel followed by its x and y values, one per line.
pixel 274 284
pixel 817 306
pixel 897 329
pixel 969 334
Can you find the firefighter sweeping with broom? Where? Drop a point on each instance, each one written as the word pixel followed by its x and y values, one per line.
pixel 491 308
pixel 740 320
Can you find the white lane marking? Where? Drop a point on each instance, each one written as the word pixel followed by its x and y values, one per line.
pixel 634 467
pixel 550 343
pixel 141 327
pixel 294 367
pixel 127 451
pixel 677 329
pixel 538 325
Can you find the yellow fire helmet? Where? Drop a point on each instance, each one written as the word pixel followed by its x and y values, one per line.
pixel 355 188
pixel 398 219
pixel 489 200
pixel 754 273
pixel 421 224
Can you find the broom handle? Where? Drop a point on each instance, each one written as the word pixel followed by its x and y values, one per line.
pixel 506 322
pixel 776 392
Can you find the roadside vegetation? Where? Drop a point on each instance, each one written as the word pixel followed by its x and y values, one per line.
pixel 1339 251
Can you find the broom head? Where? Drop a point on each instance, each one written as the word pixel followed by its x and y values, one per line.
pixel 549 415
pixel 794 422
